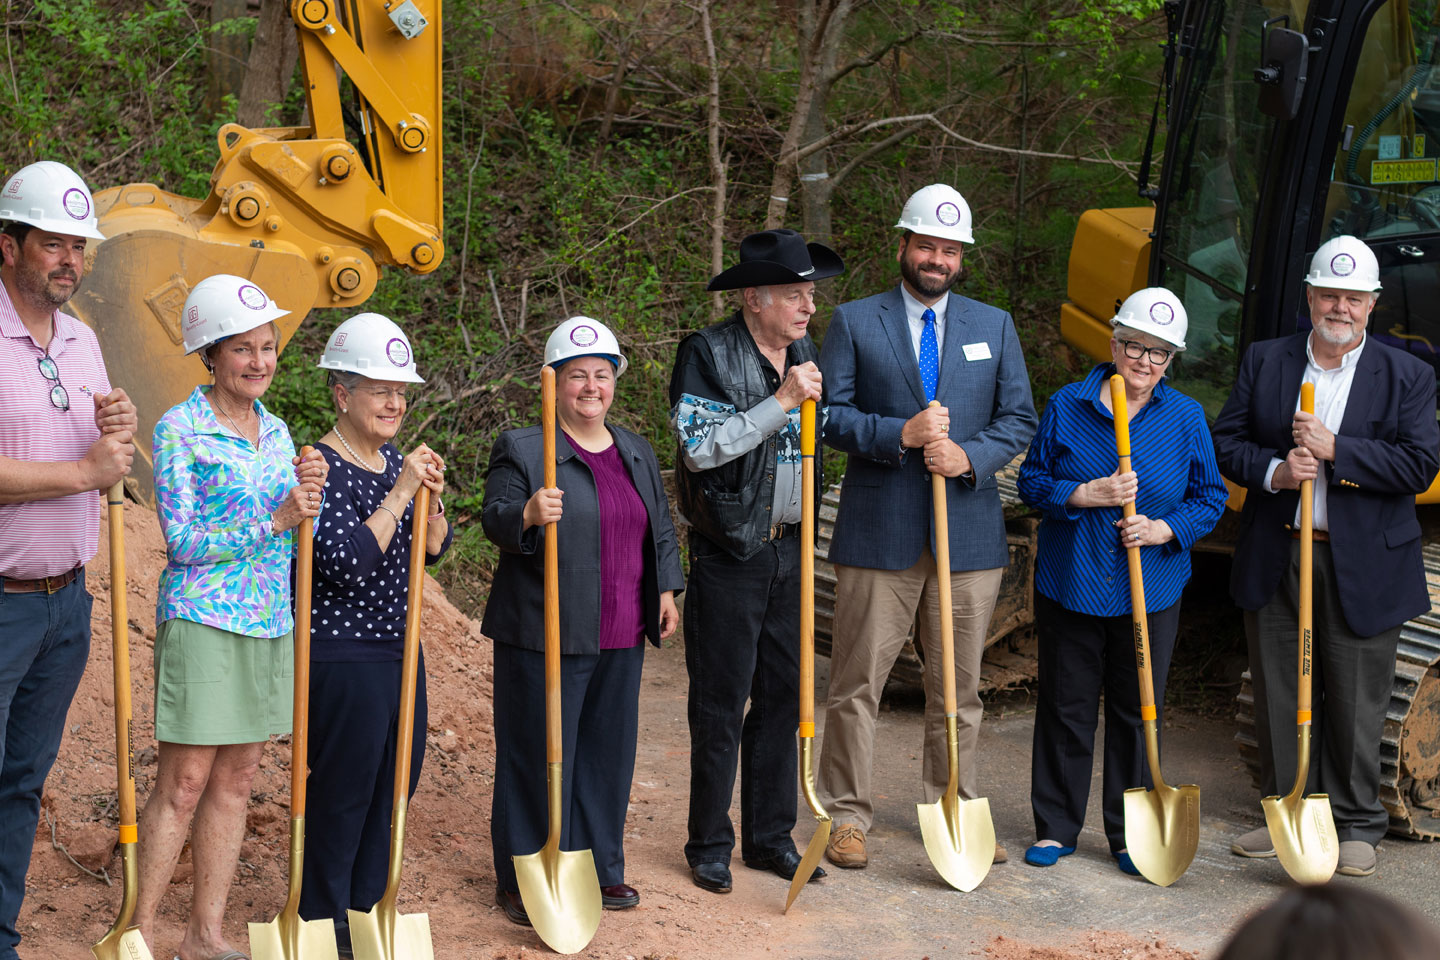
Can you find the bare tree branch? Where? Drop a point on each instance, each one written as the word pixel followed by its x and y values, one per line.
pixel 619 230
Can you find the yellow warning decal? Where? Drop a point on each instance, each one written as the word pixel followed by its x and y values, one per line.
pixel 1402 171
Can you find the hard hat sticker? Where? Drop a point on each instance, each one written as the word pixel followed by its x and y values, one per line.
pixel 339 340
pixel 948 214
pixel 76 203
pixel 584 336
pixel 192 317
pixel 1342 264
pixel 398 352
pixel 252 296
pixel 13 188
pixel 1162 313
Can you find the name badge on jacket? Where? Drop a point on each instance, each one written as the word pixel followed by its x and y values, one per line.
pixel 977 351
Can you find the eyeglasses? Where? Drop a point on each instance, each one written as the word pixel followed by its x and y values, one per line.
pixel 386 393
pixel 1134 349
pixel 59 399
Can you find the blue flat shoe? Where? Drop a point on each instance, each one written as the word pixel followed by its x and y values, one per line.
pixel 1039 856
pixel 1126 865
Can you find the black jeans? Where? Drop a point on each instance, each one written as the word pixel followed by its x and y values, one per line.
pixel 742 641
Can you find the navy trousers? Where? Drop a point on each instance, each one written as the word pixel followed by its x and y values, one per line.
pixel 742 642
pixel 600 718
pixel 44 643
pixel 354 725
pixel 1079 657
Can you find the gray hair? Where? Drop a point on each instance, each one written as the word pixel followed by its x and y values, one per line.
pixel 1122 332
pixel 343 378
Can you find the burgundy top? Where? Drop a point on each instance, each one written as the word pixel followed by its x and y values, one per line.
pixel 623 530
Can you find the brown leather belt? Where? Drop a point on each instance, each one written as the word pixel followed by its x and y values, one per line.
pixel 780 531
pixel 1320 536
pixel 48 584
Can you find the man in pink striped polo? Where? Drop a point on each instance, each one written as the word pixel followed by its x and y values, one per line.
pixel 64 433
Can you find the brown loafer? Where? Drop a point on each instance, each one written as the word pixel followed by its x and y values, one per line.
pixel 513 906
pixel 1000 855
pixel 846 848
pixel 619 897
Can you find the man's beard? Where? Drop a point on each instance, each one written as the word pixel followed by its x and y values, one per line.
pixel 1334 337
pixel 927 285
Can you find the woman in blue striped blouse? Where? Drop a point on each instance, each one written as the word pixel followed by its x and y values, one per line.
pixel 1082 580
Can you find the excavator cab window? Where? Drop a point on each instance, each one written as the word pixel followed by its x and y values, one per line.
pixel 1385 183
pixel 1215 164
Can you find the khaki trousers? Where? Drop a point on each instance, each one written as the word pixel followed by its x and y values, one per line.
pixel 873 613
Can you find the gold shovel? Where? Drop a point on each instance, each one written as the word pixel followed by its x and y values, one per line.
pixel 288 937
pixel 560 888
pixel 384 933
pixel 1162 826
pixel 807 656
pixel 959 834
pixel 1302 828
pixel 123 941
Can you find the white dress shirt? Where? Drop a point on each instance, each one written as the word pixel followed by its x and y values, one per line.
pixel 1332 394
pixel 914 314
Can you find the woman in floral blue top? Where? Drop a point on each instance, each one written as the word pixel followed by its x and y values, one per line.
pixel 230 490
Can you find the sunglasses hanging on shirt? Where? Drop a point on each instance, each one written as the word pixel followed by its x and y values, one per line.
pixel 59 398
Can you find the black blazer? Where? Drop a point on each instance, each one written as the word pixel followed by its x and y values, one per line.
pixel 1386 451
pixel 515 612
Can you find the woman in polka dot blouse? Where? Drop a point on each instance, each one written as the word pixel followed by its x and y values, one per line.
pixel 619 573
pixel 362 556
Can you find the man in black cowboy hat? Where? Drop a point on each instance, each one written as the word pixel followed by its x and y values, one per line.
pixel 735 397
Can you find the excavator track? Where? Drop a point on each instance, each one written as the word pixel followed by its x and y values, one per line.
pixel 1410 746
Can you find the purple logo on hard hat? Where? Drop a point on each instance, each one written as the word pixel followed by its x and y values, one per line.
pixel 948 214
pixel 76 203
pixel 252 296
pixel 14 188
pixel 192 317
pixel 339 341
pixel 1342 264
pixel 1162 313
pixel 584 336
pixel 398 351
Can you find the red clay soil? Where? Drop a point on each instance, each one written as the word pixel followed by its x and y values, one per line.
pixel 448 870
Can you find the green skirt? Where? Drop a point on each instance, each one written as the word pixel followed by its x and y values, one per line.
pixel 214 687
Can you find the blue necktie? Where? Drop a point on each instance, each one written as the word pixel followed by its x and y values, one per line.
pixel 929 356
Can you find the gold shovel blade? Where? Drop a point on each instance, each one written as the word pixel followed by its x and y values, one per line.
pixel 960 841
pixel 290 938
pixel 384 934
pixel 561 893
pixel 1303 832
pixel 810 860
pixel 122 945
pixel 1162 830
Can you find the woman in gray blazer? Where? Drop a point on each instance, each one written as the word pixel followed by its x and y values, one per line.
pixel 619 572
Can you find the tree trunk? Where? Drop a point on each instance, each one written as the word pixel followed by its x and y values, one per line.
pixel 271 65
pixel 718 164
pixel 226 71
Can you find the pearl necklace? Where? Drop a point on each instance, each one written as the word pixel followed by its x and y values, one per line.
pixel 358 459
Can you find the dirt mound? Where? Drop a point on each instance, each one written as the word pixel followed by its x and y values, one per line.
pixel 1093 945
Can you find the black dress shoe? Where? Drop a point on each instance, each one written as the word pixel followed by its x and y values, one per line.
pixel 784 865
pixel 714 877
pixel 619 897
pixel 513 906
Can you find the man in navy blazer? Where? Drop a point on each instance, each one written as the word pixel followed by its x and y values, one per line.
pixel 884 358
pixel 1371 445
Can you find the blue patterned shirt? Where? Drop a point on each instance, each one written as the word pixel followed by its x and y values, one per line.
pixel 1080 563
pixel 215 494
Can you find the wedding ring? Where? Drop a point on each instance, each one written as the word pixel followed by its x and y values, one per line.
pixel 1134 536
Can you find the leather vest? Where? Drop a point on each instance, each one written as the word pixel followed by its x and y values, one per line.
pixel 731 504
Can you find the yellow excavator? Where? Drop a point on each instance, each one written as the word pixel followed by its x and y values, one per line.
pixel 1289 123
pixel 309 213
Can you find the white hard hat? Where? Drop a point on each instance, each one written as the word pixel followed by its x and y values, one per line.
pixel 372 346
pixel 223 306
pixel 937 211
pixel 1155 311
pixel 583 337
pixel 50 196
pixel 1345 263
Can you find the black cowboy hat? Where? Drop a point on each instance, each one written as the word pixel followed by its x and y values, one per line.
pixel 778 256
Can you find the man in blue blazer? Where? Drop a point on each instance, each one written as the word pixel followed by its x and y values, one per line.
pixel 1371 445
pixel 884 359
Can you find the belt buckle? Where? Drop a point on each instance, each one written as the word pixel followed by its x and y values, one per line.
pixel 51 586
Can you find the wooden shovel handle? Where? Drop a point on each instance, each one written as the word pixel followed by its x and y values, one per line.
pixel 300 737
pixel 554 750
pixel 1307 556
pixel 1120 409
pixel 807 569
pixel 942 579
pixel 120 636
pixel 410 661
